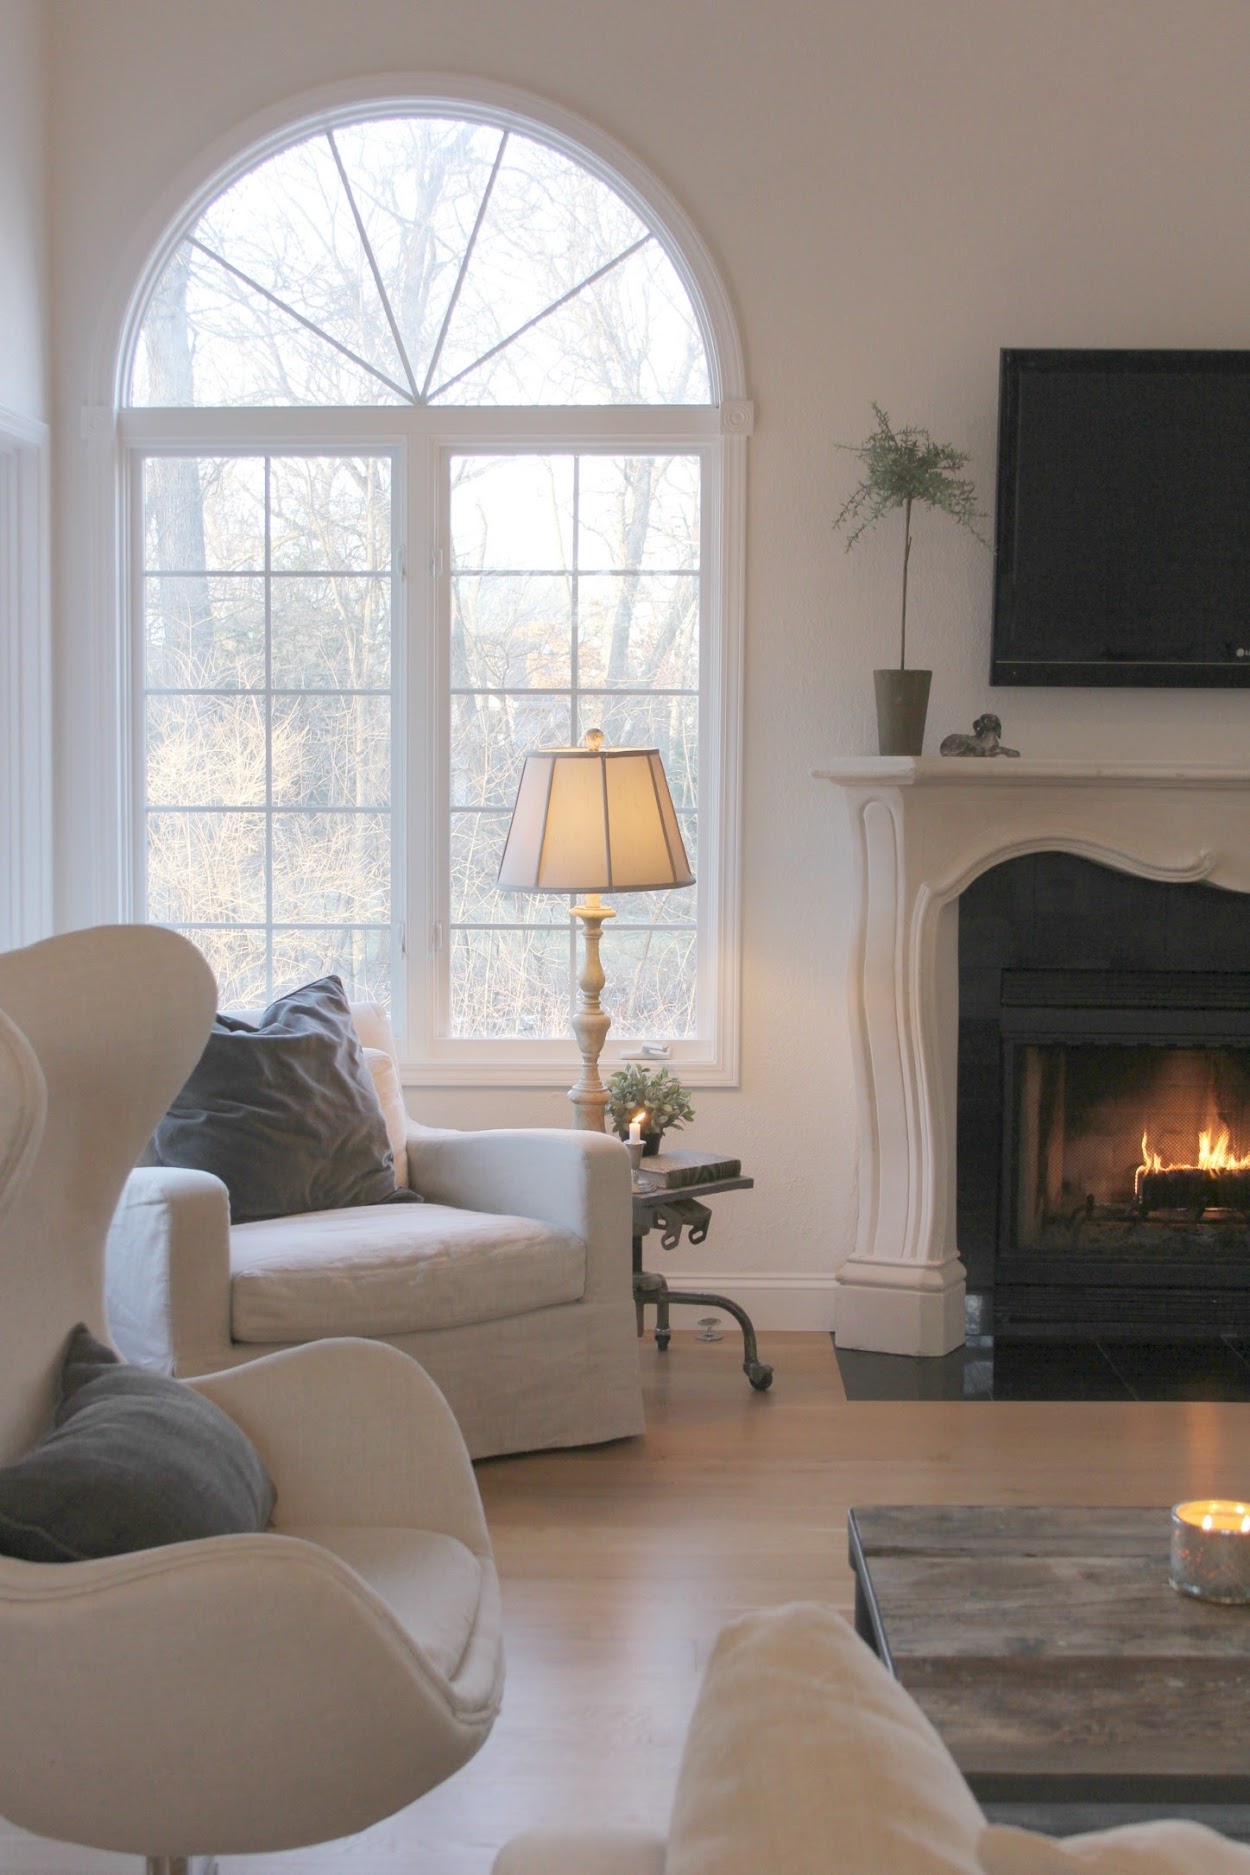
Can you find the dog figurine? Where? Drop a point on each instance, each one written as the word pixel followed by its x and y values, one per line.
pixel 983 740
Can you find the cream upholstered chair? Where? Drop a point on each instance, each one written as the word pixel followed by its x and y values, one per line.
pixel 239 1693
pixel 511 1284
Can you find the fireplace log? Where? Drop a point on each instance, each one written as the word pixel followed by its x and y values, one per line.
pixel 1184 1189
pixel 1187 1188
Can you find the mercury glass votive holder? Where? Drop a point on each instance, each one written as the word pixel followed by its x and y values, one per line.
pixel 1211 1550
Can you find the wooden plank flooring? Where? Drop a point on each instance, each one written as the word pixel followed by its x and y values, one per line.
pixel 619 1564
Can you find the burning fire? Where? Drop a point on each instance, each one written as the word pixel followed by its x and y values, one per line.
pixel 1212 1157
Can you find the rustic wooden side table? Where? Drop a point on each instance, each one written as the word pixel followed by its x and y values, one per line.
pixel 673 1209
pixel 1066 1676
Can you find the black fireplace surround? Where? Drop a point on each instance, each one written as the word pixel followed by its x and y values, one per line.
pixel 1103 1143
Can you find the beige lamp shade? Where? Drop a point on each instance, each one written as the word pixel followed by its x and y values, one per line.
pixel 594 820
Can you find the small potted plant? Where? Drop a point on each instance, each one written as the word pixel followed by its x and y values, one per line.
pixel 652 1094
pixel 902 467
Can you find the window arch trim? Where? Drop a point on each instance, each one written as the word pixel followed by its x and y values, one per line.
pixel 231 157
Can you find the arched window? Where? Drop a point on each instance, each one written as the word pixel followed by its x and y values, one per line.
pixel 424 415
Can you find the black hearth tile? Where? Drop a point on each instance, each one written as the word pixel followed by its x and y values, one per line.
pixel 1239 1347
pixel 900 1377
pixel 1181 1370
pixel 1055 1370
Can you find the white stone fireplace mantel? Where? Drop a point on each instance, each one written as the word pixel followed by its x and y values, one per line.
pixel 921 831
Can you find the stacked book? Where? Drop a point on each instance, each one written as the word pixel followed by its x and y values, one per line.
pixel 670 1171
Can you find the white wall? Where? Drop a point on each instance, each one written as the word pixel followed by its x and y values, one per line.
pixel 24 369
pixel 893 189
pixel 25 399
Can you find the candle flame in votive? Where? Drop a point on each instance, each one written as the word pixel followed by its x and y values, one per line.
pixel 1208 1522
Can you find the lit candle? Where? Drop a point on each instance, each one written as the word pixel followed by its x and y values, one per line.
pixel 1211 1549
pixel 635 1127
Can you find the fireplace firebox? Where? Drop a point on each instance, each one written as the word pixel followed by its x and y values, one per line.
pixel 1103 1158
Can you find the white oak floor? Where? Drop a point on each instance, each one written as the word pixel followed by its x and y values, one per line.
pixel 619 1564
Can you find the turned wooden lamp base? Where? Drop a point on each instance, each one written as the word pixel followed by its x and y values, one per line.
pixel 591 1022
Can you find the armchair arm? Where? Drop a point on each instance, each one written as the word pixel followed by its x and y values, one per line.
pixel 354 1432
pixel 167 1270
pixel 576 1180
pixel 171 1676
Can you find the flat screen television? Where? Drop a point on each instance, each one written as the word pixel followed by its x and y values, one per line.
pixel 1122 524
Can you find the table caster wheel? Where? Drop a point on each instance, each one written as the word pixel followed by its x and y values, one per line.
pixel 760 1376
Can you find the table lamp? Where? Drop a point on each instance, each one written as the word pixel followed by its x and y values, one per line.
pixel 593 820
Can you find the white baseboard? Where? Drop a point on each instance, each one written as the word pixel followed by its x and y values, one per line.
pixel 771 1300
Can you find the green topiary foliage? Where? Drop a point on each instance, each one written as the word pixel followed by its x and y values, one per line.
pixel 657 1090
pixel 902 467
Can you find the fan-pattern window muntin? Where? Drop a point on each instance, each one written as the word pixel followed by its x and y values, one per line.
pixel 267 602
pixel 424 263
pixel 575 603
pixel 419 260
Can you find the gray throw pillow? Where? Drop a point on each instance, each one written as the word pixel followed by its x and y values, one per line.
pixel 285 1113
pixel 135 1460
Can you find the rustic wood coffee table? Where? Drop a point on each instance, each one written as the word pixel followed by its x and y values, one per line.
pixel 1062 1671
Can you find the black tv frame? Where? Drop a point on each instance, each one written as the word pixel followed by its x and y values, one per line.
pixel 1011 668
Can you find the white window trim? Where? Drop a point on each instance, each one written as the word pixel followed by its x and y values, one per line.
pixel 115 434
pixel 26 884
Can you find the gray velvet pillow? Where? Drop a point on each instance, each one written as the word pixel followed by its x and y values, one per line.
pixel 285 1113
pixel 135 1460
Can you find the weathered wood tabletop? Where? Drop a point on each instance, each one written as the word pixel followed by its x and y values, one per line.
pixel 1052 1655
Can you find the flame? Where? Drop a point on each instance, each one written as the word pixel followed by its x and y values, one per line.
pixel 640 1116
pixel 1215 1154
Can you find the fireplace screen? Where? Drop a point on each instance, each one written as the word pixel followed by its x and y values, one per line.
pixel 1130 1145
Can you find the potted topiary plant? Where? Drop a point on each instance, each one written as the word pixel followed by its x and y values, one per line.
pixel 902 467
pixel 652 1093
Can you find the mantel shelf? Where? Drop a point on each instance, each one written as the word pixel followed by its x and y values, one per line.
pixel 907 771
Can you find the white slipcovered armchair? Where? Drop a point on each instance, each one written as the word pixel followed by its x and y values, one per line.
pixel 234 1694
pixel 511 1285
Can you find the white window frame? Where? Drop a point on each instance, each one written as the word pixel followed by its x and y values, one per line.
pixel 421 439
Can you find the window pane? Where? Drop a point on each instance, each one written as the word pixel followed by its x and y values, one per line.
pixel 332 633
pixel 639 629
pixel 510 983
pixel 331 868
pixel 512 513
pixel 332 751
pixel 206 751
pixel 204 631
pixel 206 868
pixel 650 984
pixel 511 633
pixel 490 738
pixel 204 514
pixel 330 513
pixel 638 511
